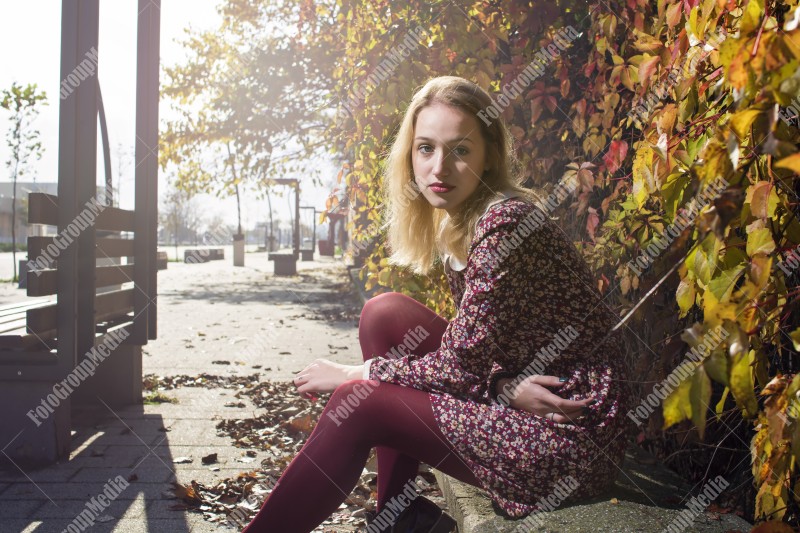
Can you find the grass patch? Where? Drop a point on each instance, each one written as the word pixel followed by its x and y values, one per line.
pixel 157 397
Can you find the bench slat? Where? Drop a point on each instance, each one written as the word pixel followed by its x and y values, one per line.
pixel 21 307
pixel 113 275
pixel 110 305
pixel 14 323
pixel 43 209
pixel 24 357
pixel 45 282
pixel 106 247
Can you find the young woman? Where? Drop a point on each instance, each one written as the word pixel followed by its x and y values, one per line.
pixel 521 394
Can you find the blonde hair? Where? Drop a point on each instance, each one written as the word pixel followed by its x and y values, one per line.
pixel 418 233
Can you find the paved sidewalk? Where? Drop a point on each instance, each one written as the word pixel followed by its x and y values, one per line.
pixel 213 318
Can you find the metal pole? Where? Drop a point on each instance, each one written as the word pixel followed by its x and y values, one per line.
pixel 109 195
pixel 146 174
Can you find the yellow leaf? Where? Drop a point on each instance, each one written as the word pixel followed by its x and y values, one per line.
pixel 795 335
pixel 751 19
pixel 677 406
pixel 741 122
pixel 791 163
pixel 760 242
pixel 714 312
pixel 762 199
pixel 685 295
pixel 642 175
pixel 742 383
pixel 720 407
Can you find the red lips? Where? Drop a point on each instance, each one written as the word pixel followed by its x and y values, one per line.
pixel 440 185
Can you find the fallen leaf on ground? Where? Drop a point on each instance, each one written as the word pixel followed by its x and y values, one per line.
pixel 209 459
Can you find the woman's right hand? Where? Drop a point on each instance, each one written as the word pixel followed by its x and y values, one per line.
pixel 531 395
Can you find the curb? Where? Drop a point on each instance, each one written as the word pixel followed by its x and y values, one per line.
pixel 635 503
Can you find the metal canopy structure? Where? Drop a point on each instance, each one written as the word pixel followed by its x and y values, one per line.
pixel 296 230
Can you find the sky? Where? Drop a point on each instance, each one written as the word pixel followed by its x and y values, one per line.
pixel 30 37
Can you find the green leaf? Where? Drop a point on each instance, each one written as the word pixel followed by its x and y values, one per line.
pixel 700 397
pixel 722 285
pixel 672 192
pixel 703 267
pixel 716 366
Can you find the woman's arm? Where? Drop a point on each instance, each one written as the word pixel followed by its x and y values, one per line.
pixel 475 338
pixel 322 375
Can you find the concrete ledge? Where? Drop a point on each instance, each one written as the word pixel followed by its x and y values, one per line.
pixel 21 439
pixel 642 490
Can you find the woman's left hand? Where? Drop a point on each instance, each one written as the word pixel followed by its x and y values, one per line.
pixel 324 376
pixel 531 395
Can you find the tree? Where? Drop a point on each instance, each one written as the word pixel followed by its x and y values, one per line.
pixel 22 140
pixel 179 216
pixel 246 88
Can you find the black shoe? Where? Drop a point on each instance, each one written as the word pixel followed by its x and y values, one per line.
pixel 421 516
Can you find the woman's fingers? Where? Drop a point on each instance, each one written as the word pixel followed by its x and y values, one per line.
pixel 566 411
pixel 562 419
pixel 546 381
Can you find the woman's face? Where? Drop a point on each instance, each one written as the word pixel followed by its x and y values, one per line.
pixel 448 155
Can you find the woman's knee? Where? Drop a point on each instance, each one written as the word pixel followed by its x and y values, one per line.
pixel 380 307
pixel 350 400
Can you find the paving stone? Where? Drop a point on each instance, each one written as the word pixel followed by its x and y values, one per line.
pixel 60 472
pixel 14 525
pixel 121 455
pixel 151 473
pixel 23 509
pixel 78 491
pixel 69 509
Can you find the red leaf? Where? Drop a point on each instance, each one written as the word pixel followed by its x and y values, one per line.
pixel 615 155
pixel 646 70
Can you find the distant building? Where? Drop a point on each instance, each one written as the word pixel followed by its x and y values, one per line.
pixel 23 189
pixel 6 195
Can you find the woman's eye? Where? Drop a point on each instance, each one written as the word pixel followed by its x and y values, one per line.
pixel 425 148
pixel 461 150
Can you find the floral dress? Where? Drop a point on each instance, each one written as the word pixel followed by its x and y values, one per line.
pixel 508 309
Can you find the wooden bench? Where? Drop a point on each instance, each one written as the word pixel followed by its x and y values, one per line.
pixel 44 339
pixel 28 330
pixel 161 260
pixel 285 263
pixel 81 339
pixel 203 255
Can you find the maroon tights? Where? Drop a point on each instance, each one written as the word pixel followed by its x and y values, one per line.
pixel 397 421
